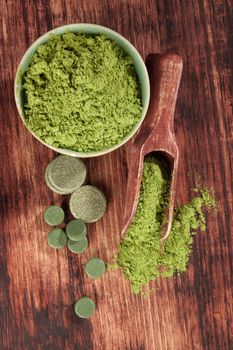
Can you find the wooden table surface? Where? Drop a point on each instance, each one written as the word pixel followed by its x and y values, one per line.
pixel 38 285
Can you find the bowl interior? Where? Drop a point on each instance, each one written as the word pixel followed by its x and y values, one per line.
pixel 90 29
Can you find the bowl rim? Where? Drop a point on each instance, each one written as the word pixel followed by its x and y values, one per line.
pixel 79 27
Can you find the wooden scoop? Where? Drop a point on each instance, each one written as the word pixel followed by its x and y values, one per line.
pixel 156 133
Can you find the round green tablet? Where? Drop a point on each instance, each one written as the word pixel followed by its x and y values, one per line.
pixel 65 174
pixel 54 215
pixel 57 238
pixel 84 307
pixel 76 230
pixel 95 268
pixel 88 203
pixel 78 246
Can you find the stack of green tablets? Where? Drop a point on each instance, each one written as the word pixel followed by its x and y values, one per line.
pixel 75 231
pixel 65 174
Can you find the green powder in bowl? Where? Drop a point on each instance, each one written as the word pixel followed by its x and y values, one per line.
pixel 82 91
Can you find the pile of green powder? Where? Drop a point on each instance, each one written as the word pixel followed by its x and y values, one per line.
pixel 81 92
pixel 142 255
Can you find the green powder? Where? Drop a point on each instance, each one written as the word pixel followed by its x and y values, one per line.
pixel 142 255
pixel 81 92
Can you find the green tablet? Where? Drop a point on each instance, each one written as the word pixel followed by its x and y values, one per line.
pixel 78 246
pixel 54 215
pixel 84 307
pixel 88 204
pixel 76 230
pixel 57 238
pixel 95 268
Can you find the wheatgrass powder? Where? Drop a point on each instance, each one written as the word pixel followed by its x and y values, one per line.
pixel 81 92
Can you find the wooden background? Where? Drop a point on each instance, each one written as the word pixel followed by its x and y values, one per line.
pixel 38 285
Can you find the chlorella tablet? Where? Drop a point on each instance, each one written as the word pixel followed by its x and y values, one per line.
pixel 79 246
pixel 65 174
pixel 54 215
pixel 88 204
pixel 95 268
pixel 76 230
pixel 57 238
pixel 84 307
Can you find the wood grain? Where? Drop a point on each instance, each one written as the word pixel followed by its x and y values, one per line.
pixel 38 286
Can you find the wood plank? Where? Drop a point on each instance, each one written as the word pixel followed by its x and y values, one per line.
pixel 38 286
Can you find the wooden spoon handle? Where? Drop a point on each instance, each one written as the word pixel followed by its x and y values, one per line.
pixel 156 132
pixel 165 73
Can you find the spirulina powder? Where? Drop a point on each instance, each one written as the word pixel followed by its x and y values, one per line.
pixel 142 255
pixel 81 92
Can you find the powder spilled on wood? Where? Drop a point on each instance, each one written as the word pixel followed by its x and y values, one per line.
pixel 142 255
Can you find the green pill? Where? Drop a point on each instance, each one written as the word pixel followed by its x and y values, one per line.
pixel 95 268
pixel 65 174
pixel 54 215
pixel 76 230
pixel 57 238
pixel 88 204
pixel 84 307
pixel 78 246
